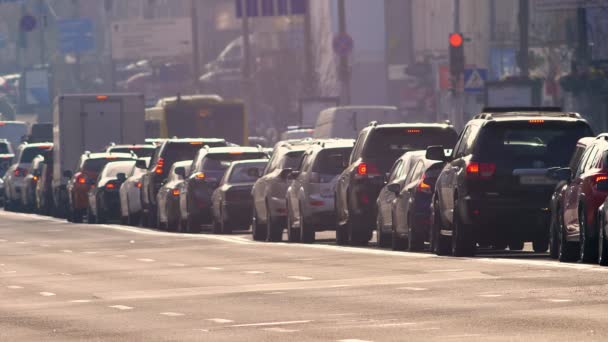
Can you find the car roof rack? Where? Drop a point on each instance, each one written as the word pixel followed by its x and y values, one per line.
pixel 489 113
pixel 520 109
pixel 373 124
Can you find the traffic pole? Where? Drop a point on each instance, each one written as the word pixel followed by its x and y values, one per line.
pixel 524 24
pixel 343 66
pixel 196 59
pixel 247 88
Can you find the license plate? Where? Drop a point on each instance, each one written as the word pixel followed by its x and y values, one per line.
pixel 536 180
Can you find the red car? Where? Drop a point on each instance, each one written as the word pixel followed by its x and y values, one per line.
pixel 585 190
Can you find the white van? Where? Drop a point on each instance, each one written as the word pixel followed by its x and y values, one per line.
pixel 346 122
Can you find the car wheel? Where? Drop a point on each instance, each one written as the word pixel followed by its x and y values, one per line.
pixel 602 242
pixel 100 218
pixel 133 219
pixel 540 245
pixel 293 234
pixel 151 219
pixel 193 225
pixel 397 242
pixel 90 217
pixel 358 235
pixel 341 232
pixel 307 233
pixel 415 238
pixel 160 225
pixel 273 228
pixel 463 244
pixel 384 239
pixel 440 244
pixel 588 245
pixel 258 231
pixel 216 225
pixel 224 224
pixel 554 237
pixel 516 245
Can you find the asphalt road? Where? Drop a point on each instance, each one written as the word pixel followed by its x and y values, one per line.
pixel 66 282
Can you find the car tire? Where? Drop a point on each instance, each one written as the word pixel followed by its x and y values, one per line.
pixel 193 225
pixel 602 242
pixel 384 239
pixel 160 225
pixel 588 246
pixel 273 228
pixel 307 233
pixel 540 245
pixel 133 219
pixel 415 238
pixel 258 231
pixel 293 234
pixel 463 243
pixel 225 227
pixel 516 245
pixel 554 240
pixel 397 242
pixel 341 232
pixel 440 245
pixel 358 235
pixel 90 217
pixel 151 219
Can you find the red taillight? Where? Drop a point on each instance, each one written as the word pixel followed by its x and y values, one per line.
pixel 480 170
pixel 600 178
pixel 138 185
pixel 111 186
pixel 362 169
pixel 317 203
pixel 159 166
pixel 81 179
pixel 175 192
pixel 536 121
pixel 423 186
pixel 367 169
pixel 20 172
pixel 200 176
pixel 35 178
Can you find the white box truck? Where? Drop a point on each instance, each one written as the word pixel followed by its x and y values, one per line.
pixel 89 122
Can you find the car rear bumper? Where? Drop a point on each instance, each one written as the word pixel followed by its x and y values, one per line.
pixel 238 213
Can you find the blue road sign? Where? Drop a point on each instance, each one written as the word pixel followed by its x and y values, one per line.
pixel 11 1
pixel 269 8
pixel 343 44
pixel 475 80
pixel 27 23
pixel 76 35
pixel 2 40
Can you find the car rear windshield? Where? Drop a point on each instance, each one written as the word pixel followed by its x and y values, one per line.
pixel 530 145
pixel 332 161
pixel 114 168
pixel 387 144
pixel 30 153
pixel 4 148
pixel 291 160
pixel 180 151
pixel 96 164
pixel 215 165
pixel 141 152
pixel 240 173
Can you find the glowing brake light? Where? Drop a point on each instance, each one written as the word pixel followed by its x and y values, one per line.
pixel 414 131
pixel 101 97
pixel 2 123
pixel 159 166
pixel 138 185
pixel 367 170
pixel 423 186
pixel 20 172
pixel 175 192
pixel 200 176
pixel 36 178
pixel 236 153
pixel 81 179
pixel 600 178
pixel 196 143
pixel 480 170
pixel 362 169
pixel 536 121
pixel 111 186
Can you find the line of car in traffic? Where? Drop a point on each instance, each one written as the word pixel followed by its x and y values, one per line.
pixel 513 175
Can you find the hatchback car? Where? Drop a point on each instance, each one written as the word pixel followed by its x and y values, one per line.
pixel 310 196
pixel 204 176
pixel 168 197
pixel 44 189
pixel 14 178
pixel 376 150
pixel 494 189
pixel 142 151
pixel 85 176
pixel 30 181
pixel 232 201
pixel 104 195
pixel 130 196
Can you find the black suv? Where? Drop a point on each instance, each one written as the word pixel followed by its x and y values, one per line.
pixel 376 150
pixel 170 152
pixel 494 189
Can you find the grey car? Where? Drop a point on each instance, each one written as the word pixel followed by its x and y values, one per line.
pixel 311 194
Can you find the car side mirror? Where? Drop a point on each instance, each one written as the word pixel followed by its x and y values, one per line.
pixel 180 171
pixel 253 172
pixel 293 175
pixel 394 188
pixel 121 177
pixel 141 164
pixel 436 153
pixel 560 174
pixel 67 174
pixel 285 173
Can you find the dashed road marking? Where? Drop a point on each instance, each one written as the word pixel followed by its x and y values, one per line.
pixel 14 287
pixel 120 256
pixel 47 294
pixel 274 293
pixel 300 278
pixel 90 252
pixel 9 272
pixel 412 288
pixel 558 300
pixel 2 240
pixel 121 307
pixel 255 272
pixel 353 340
pixel 22 242
pixel 213 268
pixel 220 320
pixel 177 264
pixel 146 260
pixel 67 251
pixel 450 270
pixel 490 295
pixel 80 301
pixel 172 314
pixel 281 330
pixel 463 336
pixel 266 324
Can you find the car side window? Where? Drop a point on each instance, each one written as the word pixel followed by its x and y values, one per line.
pixel 358 147
pixel 584 160
pixel 395 171
pixel 576 158
pixel 460 146
pixel 410 172
pixel 591 159
pixel 416 174
pixel 470 141
pixel 272 164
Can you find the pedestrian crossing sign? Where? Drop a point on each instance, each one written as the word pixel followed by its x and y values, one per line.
pixel 475 79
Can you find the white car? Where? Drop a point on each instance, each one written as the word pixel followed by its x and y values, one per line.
pixel 14 178
pixel 130 197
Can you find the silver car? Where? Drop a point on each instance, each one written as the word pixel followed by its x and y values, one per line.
pixel 14 178
pixel 168 197
pixel 130 196
pixel 310 196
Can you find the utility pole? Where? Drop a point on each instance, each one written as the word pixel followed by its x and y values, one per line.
pixel 524 24
pixel 77 66
pixel 344 67
pixel 42 27
pixel 582 49
pixel 309 66
pixel 247 87
pixel 457 96
pixel 196 58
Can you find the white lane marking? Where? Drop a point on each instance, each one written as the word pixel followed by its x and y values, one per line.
pixel 45 245
pixel 121 307
pixel 412 288
pixel 266 324
pixel 425 329
pixel 558 300
pixel 2 240
pixel 172 314
pixel 490 295
pixel 146 260
pixel 300 278
pixel 353 340
pixel 21 242
pixel 233 239
pixel 213 268
pixel 274 293
pixel 177 264
pixel 14 287
pixel 120 256
pixel 90 252
pixel 201 330
pixel 388 325
pixel 47 294
pixel 9 272
pixel 339 286
pixel 67 251
pixel 80 301
pixel 254 272
pixel 280 330
pixel 132 241
pixel 450 270
pixel 460 336
pixel 220 320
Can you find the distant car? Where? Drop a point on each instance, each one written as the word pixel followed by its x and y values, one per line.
pixel 6 156
pixel 311 194
pixel 232 201
pixel 141 151
pixel 84 177
pixel 14 178
pixel 297 132
pixel 386 197
pixel 155 141
pixel 208 168
pixel 41 132
pixel 130 196
pixel 376 150
pixel 30 181
pixel 170 152
pixel 13 131
pixel 44 188
pixel 494 189
pixel 168 217
pixel 347 121
pixel 104 195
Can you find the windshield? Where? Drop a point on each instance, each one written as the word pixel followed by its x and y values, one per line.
pixel 4 149
pixel 332 161
pixel 527 145
pixel 175 152
pixel 241 173
pixel 112 169
pixel 215 165
pixel 95 165
pixel 140 152
pixel 29 153
pixel 14 132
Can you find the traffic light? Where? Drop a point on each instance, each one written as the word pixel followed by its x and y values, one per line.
pixel 456 54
